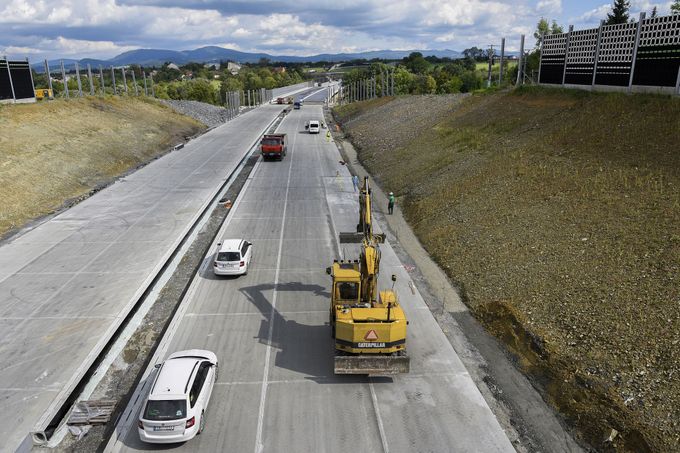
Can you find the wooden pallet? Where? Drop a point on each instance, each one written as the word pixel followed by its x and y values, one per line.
pixel 92 412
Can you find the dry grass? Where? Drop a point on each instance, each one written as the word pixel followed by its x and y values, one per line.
pixel 52 153
pixel 558 215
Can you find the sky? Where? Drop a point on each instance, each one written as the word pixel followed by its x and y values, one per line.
pixel 102 29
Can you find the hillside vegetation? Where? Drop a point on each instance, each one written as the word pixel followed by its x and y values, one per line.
pixel 557 213
pixel 53 153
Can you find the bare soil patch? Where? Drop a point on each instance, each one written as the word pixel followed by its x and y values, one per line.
pixel 557 214
pixel 55 153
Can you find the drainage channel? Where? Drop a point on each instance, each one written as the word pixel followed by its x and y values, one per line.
pixel 57 429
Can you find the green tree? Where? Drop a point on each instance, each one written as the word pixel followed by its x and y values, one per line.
pixel 546 28
pixel 453 85
pixel 416 63
pixel 619 13
pixel 475 53
pixel 675 7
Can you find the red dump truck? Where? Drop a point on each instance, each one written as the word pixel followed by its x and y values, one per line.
pixel 273 146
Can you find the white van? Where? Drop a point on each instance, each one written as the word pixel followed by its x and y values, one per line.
pixel 232 257
pixel 175 409
pixel 314 127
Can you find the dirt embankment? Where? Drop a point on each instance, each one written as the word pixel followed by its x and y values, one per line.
pixel 54 153
pixel 557 215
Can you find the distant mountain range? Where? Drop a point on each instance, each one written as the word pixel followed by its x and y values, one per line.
pixel 156 57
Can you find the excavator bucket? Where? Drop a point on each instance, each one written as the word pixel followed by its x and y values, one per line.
pixel 378 365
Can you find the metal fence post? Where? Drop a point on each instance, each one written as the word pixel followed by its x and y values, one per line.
pixel 540 57
pixel 597 53
pixel 146 91
pixel 566 54
pixel 30 71
pixel 101 80
pixel 635 49
pixel 80 85
pixel 153 91
pixel 393 82
pixel 500 73
pixel 122 69
pixel 134 82
pixel 520 68
pixel 11 84
pixel 63 78
pixel 89 77
pixel 49 78
pixel 113 81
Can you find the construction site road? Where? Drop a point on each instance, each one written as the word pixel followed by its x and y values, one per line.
pixel 276 390
pixel 68 284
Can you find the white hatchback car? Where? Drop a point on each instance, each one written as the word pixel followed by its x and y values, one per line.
pixel 175 408
pixel 233 257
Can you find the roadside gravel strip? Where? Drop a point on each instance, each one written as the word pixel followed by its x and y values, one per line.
pixel 208 114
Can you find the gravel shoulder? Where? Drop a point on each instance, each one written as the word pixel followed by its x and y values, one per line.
pixel 561 239
pixel 208 114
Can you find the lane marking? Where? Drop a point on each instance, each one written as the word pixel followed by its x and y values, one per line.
pixel 381 428
pixel 259 446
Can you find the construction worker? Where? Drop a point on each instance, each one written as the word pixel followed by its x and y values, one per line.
pixel 390 204
pixel 355 182
pixel 328 136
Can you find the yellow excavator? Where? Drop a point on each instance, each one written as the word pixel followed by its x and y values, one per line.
pixel 368 326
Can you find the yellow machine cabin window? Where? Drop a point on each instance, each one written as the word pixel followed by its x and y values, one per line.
pixel 348 291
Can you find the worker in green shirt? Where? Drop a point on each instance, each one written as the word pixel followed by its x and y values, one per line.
pixel 390 204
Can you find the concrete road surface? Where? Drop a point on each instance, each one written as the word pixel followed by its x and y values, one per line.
pixel 276 390
pixel 66 285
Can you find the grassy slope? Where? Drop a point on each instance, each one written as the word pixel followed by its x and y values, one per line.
pixel 57 151
pixel 557 213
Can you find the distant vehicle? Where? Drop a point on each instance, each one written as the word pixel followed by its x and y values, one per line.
pixel 175 409
pixel 273 146
pixel 289 100
pixel 313 127
pixel 297 105
pixel 280 100
pixel 233 257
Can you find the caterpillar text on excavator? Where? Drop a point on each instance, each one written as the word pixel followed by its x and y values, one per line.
pixel 369 326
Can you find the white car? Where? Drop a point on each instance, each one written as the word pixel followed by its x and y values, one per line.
pixel 313 127
pixel 175 409
pixel 232 257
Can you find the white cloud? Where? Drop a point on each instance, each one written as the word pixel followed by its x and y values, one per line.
pixel 549 7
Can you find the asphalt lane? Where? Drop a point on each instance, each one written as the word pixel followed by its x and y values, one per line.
pixel 66 285
pixel 276 389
